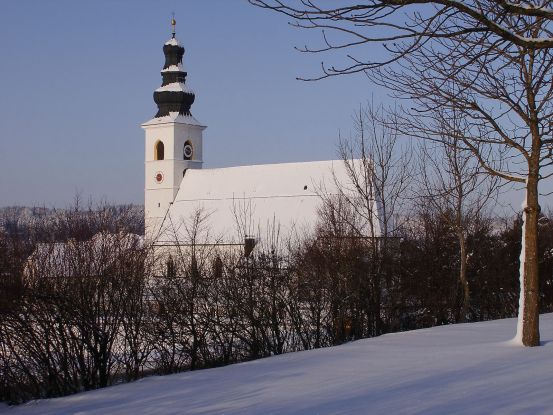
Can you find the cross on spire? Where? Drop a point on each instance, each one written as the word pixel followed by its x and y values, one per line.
pixel 173 24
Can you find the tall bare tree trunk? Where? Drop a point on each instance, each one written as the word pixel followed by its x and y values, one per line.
pixel 463 276
pixel 528 316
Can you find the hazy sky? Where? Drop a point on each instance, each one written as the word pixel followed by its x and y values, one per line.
pixel 77 78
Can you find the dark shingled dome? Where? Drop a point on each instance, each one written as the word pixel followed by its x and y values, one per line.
pixel 173 101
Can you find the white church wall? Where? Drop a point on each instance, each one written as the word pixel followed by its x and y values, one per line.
pixel 160 185
pixel 163 177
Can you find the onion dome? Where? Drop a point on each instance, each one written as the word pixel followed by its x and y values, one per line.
pixel 173 95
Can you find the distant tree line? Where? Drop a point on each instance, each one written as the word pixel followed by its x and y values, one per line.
pixel 97 309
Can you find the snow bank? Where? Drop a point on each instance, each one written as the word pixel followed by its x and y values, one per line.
pixel 460 369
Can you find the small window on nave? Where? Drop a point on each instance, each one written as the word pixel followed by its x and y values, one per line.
pixel 159 150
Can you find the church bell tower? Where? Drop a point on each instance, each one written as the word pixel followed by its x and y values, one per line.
pixel 173 139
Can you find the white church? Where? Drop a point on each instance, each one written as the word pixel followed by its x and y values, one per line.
pixel 235 203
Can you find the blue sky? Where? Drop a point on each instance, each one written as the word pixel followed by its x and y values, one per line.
pixel 77 79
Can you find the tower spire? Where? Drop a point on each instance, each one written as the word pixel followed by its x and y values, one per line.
pixel 173 95
pixel 173 24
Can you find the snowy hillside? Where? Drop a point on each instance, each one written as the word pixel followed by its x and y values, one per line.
pixel 461 369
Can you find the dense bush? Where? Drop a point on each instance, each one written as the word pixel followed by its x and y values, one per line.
pixel 84 305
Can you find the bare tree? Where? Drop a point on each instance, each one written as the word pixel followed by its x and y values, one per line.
pixel 453 183
pixel 96 311
pixel 378 167
pixel 64 332
pixel 489 60
pixel 179 289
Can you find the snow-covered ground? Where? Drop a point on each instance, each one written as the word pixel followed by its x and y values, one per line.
pixel 460 369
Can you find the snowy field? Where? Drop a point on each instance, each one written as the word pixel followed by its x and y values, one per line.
pixel 460 369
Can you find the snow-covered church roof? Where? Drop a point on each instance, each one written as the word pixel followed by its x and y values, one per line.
pixel 253 200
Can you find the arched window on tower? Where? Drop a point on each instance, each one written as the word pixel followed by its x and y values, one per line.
pixel 188 150
pixel 159 150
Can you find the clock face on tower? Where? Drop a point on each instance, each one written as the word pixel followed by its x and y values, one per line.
pixel 159 177
pixel 187 151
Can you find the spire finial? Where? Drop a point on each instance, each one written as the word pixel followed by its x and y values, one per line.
pixel 173 24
